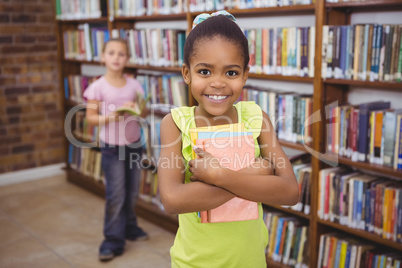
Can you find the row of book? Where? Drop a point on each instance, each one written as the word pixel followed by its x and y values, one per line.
pixel 85 43
pixel 210 5
pixel 86 161
pixel 75 85
pixel 84 131
pixel 366 132
pixel 289 112
pixel 149 190
pixel 367 52
pixel 165 89
pixel 156 47
pixel 283 51
pixel 337 250
pixel 80 9
pixel 366 202
pixel 287 239
pixel 132 8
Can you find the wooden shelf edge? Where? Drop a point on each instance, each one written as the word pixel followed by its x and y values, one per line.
pixel 296 146
pixel 367 3
pixel 375 84
pixel 174 69
pixel 274 264
pixel 288 210
pixel 264 10
pixel 180 16
pixel 87 20
pixel 281 78
pixel 362 234
pixel 383 170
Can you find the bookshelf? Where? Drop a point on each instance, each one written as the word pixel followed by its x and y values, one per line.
pixel 325 91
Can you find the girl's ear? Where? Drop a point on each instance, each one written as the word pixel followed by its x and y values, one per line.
pixel 185 71
pixel 245 74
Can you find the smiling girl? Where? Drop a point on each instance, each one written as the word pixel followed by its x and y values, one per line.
pixel 216 68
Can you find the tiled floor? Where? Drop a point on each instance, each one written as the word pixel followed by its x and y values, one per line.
pixel 53 223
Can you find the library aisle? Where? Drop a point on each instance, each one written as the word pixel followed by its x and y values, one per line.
pixel 54 223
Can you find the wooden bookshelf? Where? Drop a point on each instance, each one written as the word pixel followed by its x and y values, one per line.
pixel 367 84
pixel 181 16
pixel 297 146
pixel 264 11
pixel 363 234
pixel 325 92
pixel 366 5
pixel 289 211
pixel 80 21
pixel 281 78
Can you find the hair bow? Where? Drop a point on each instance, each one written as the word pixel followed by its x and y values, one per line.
pixel 200 18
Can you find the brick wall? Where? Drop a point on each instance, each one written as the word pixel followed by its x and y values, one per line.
pixel 31 126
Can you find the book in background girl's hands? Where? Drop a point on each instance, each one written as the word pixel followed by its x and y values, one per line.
pixel 234 150
pixel 139 105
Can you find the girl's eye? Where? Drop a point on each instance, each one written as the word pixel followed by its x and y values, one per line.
pixel 204 72
pixel 232 73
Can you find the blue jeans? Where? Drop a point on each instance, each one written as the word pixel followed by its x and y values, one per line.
pixel 121 167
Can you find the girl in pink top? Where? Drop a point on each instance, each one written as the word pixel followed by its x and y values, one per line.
pixel 120 146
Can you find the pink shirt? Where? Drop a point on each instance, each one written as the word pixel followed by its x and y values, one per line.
pixel 125 131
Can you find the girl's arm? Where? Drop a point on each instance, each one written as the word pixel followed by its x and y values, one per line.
pixel 93 116
pixel 178 197
pixel 279 189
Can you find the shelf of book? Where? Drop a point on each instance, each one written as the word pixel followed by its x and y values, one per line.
pixel 146 210
pixel 180 16
pixel 282 77
pixel 80 21
pixel 299 9
pixel 363 234
pixel 383 170
pixel 290 211
pixel 368 4
pixel 368 84
pixel 155 68
pixel 273 264
pixel 130 66
pixel 297 146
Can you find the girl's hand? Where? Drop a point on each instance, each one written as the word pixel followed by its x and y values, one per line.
pixel 206 168
pixel 130 104
pixel 115 117
pixel 259 166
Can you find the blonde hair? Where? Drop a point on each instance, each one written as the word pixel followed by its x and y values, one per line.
pixel 120 40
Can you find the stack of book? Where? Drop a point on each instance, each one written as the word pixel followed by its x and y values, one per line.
pixel 282 51
pixel 234 147
pixel 156 47
pixel 361 201
pixel 366 132
pixel 367 52
pixel 85 43
pixel 290 113
pixel 288 239
pixel 337 250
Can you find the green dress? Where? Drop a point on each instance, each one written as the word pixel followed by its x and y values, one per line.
pixel 219 245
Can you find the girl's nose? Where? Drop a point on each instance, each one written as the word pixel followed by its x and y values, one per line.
pixel 218 83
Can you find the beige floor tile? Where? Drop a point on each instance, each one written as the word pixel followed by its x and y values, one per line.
pixel 53 223
pixel 135 256
pixel 25 252
pixel 10 232
pixel 32 185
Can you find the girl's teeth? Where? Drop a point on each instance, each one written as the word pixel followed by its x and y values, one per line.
pixel 216 97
